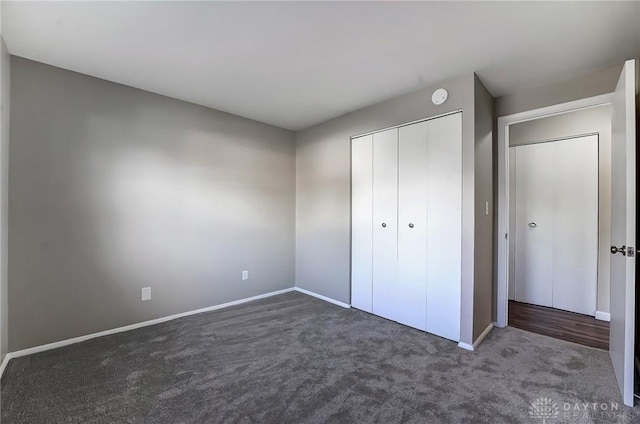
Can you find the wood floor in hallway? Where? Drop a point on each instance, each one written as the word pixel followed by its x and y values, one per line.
pixel 577 328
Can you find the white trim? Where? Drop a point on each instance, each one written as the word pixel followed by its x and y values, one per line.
pixel 321 297
pixel 478 340
pixel 465 346
pixel 603 316
pixel 502 296
pixel 5 361
pixel 408 123
pixel 551 140
pixel 483 335
pixel 55 345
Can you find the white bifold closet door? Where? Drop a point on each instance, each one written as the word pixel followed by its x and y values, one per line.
pixel 556 244
pixel 534 223
pixel 444 226
pixel 406 224
pixel 429 225
pixel 412 225
pixel 362 222
pixel 385 225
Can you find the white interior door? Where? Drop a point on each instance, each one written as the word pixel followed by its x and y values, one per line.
pixel 444 225
pixel 623 228
pixel 575 225
pixel 412 225
pixel 385 219
pixel 534 224
pixel 362 222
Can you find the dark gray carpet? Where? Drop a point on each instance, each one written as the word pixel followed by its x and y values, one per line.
pixel 296 359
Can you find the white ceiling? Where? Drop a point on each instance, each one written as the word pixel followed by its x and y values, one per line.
pixel 294 65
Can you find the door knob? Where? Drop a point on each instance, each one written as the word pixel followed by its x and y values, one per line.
pixel 533 225
pixel 622 250
pixel 384 225
pixel 410 225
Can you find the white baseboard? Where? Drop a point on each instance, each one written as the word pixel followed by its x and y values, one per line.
pixel 321 297
pixel 483 335
pixel 479 340
pixel 603 316
pixel 55 345
pixel 67 342
pixel 465 346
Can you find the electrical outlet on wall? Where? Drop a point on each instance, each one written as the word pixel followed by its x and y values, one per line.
pixel 245 275
pixel 146 293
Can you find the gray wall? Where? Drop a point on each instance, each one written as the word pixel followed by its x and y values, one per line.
pixel 323 190
pixel 586 121
pixel 483 294
pixel 588 85
pixel 4 167
pixel 113 189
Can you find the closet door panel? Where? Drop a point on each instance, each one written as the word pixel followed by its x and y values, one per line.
pixel 575 225
pixel 362 222
pixel 385 218
pixel 412 225
pixel 444 225
pixel 534 223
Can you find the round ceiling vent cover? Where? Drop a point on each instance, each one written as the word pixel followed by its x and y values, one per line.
pixel 439 96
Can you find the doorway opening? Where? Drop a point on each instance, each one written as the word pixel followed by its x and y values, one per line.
pixel 559 209
pixel 622 293
pixel 542 127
